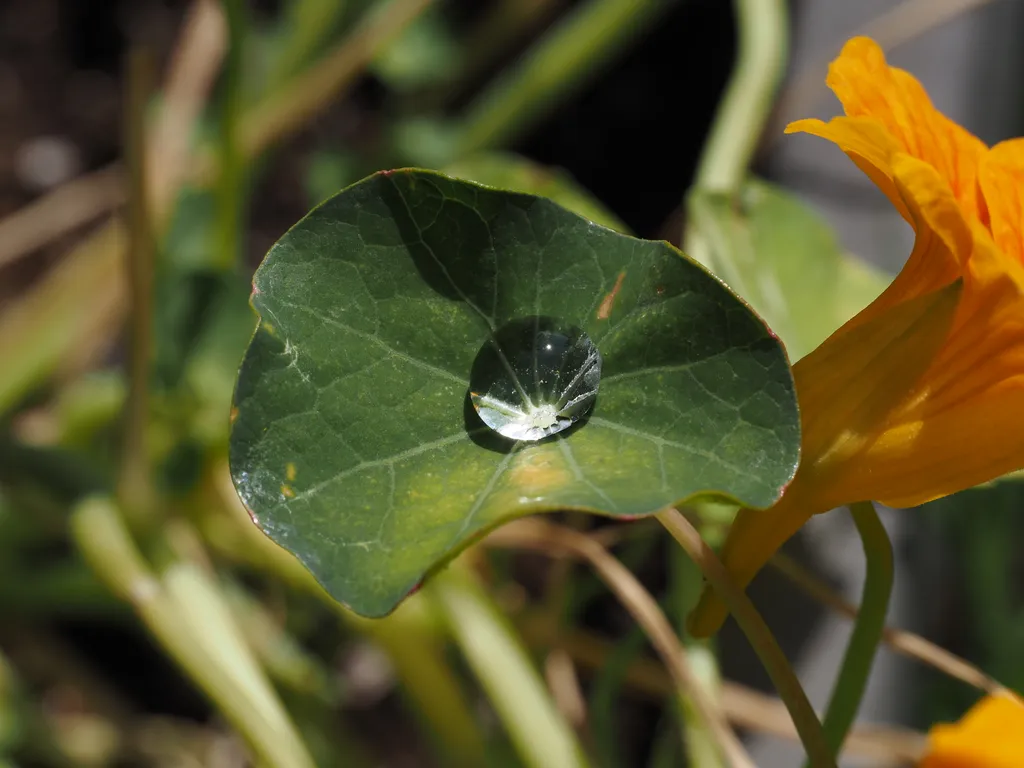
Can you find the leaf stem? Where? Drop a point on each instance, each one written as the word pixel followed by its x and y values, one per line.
pixel 760 636
pixel 744 109
pixel 867 628
pixel 539 731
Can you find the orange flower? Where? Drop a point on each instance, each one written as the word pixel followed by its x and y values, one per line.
pixel 922 393
pixel 990 735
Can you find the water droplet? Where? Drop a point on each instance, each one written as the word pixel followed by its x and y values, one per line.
pixel 536 377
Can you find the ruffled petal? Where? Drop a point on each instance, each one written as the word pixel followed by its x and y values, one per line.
pixel 1001 178
pixel 868 87
pixel 990 735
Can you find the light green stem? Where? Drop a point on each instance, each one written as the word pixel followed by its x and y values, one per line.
pixel 744 109
pixel 134 484
pixel 867 629
pixel 229 186
pixel 758 634
pixel 185 614
pixel 569 54
pixel 701 748
pixel 428 682
pixel 537 729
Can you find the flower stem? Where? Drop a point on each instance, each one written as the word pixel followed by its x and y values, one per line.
pixel 868 628
pixel 744 109
pixel 761 638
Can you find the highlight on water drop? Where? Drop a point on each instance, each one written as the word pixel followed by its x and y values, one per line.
pixel 536 377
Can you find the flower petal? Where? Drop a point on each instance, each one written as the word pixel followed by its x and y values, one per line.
pixel 1001 178
pixel 967 425
pixel 868 87
pixel 846 389
pixel 866 142
pixel 990 735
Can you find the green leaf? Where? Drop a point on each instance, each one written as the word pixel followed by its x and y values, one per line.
pixel 355 445
pixel 780 256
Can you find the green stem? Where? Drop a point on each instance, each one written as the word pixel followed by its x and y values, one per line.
pixel 699 744
pixel 567 56
pixel 307 24
pixel 758 634
pixel 539 731
pixel 185 614
pixel 744 109
pixel 229 185
pixel 867 628
pixel 135 488
pixel 428 682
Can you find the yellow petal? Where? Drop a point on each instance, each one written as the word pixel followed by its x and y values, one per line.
pixel 846 389
pixel 867 143
pixel 1001 178
pixel 990 735
pixel 868 87
pixel 966 426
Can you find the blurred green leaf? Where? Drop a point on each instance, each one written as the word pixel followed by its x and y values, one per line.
pixel 783 259
pixel 426 54
pixel 504 170
pixel 328 172
pixel 356 446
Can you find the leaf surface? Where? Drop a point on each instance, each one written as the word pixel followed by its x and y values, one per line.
pixel 355 444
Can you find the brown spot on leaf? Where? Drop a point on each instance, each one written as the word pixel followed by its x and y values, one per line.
pixel 604 311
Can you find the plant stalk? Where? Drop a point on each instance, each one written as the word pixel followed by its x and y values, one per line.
pixel 763 39
pixel 867 629
pixel 538 730
pixel 760 636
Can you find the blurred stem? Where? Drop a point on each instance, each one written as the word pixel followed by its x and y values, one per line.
pixel 407 635
pixel 501 27
pixel 428 682
pixel 307 24
pixel 558 541
pixel 867 628
pixel 539 731
pixel 135 491
pixel 758 634
pixel 290 107
pixel 744 109
pixel 230 182
pixel 187 619
pixel 763 33
pixel 567 56
pixel 699 743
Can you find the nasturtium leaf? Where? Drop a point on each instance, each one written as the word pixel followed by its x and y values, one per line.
pixel 355 444
pixel 784 259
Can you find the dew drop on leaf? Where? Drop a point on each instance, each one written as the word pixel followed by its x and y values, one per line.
pixel 536 377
